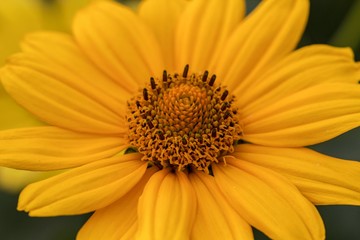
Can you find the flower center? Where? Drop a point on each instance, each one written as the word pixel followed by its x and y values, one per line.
pixel 183 121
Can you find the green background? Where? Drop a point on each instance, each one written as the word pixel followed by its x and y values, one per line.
pixel 330 22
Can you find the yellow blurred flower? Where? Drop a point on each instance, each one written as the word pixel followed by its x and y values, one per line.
pixel 17 18
pixel 217 107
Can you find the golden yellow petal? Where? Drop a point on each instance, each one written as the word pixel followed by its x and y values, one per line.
pixel 330 109
pixel 61 82
pixel 306 67
pixel 16 116
pixel 167 207
pixel 268 201
pixel 268 34
pixel 83 189
pixel 115 221
pixel 215 218
pixel 203 29
pixel 51 148
pixel 162 17
pixel 119 43
pixel 322 179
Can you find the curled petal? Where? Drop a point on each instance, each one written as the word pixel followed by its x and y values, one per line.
pixel 215 218
pixel 167 207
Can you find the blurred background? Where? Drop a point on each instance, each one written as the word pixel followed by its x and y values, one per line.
pixel 333 22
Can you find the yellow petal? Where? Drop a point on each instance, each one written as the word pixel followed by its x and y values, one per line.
pixel 203 29
pixel 310 116
pixel 115 221
pixel 215 218
pixel 58 83
pixel 119 43
pixel 270 32
pixel 303 68
pixel 16 116
pixel 162 17
pixel 51 148
pixel 83 189
pixel 268 201
pixel 322 179
pixel 167 207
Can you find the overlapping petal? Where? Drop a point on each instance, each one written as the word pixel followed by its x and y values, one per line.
pixel 261 196
pixel 215 218
pixel 51 148
pixel 269 33
pixel 330 109
pixel 129 53
pixel 322 179
pixel 83 189
pixel 306 67
pixel 203 29
pixel 50 85
pixel 162 17
pixel 14 111
pixel 167 207
pixel 116 221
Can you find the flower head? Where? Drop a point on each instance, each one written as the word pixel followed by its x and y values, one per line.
pixel 217 109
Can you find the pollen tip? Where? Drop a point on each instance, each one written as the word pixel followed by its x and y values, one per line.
pixel 226 115
pixel 150 124
pixel 224 95
pixel 153 84
pixel 186 70
pixel 212 80
pixel 205 76
pixel 145 94
pixel 213 132
pixel 165 76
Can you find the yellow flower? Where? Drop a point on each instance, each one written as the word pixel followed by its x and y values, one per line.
pixel 218 136
pixel 18 17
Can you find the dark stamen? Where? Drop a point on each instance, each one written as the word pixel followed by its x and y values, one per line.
pixel 204 77
pixel 227 114
pixel 186 70
pixel 212 80
pixel 164 76
pixel 184 141
pixel 224 95
pixel 145 94
pixel 150 124
pixel 161 135
pixel 224 106
pixel 152 82
pixel 138 104
pixel 213 132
